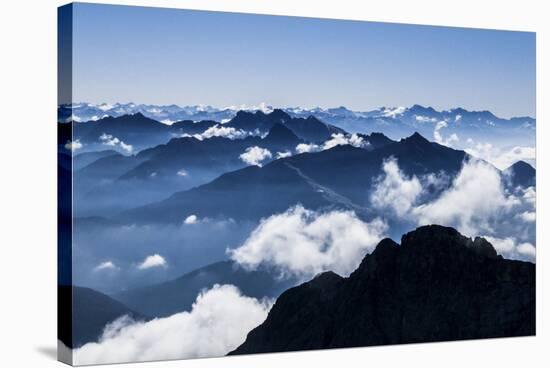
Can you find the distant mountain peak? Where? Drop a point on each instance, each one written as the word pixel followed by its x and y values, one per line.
pixel 377 139
pixel 420 107
pixel 416 138
pixel 521 174
pixel 280 133
pixel 521 165
pixel 279 114
pixel 244 113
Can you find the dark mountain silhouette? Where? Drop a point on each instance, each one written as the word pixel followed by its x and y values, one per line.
pixel 249 121
pixel 376 140
pixel 521 174
pixel 134 129
pixel 281 137
pixel 191 127
pixel 143 132
pixel 167 298
pixel 436 286
pixel 309 129
pixel 339 177
pixel 91 310
pixel 312 129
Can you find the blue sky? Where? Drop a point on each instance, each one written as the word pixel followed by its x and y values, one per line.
pixel 165 56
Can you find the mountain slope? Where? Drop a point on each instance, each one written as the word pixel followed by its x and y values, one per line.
pixel 178 295
pixel 521 174
pixel 339 177
pixel 84 159
pixel 436 286
pixel 182 163
pixel 249 193
pixel 91 310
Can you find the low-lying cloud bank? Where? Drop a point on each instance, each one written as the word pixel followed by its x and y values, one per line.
pixel 218 323
pixel 193 243
pixel 500 157
pixel 475 203
pixel 302 243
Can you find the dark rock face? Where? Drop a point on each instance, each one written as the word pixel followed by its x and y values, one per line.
pixel 436 286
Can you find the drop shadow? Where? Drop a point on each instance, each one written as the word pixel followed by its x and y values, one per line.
pixel 48 351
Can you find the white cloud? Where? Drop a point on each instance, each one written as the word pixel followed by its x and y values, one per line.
pixel 458 117
pixel 528 250
pixel 529 195
pixel 499 157
pixel 339 139
pixel 453 138
pixel 474 200
pixel 74 145
pixel 218 323
pixel 74 117
pixel 109 140
pixel 255 155
pixel 263 107
pixel 424 119
pixel 190 220
pixel 284 154
pixel 307 147
pixel 167 121
pixel 182 172
pixel 392 112
pixel 303 243
pixel 528 216
pixel 222 131
pixel 152 261
pixel 475 203
pixel 107 265
pixel 511 249
pixel 105 106
pixel 395 191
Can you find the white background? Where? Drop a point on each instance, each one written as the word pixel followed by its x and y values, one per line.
pixel 28 181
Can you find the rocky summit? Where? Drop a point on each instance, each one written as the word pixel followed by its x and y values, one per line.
pixel 438 285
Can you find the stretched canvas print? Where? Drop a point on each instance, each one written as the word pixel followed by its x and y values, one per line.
pixel 240 184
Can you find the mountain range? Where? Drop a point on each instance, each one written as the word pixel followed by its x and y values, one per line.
pixel 437 285
pixel 396 122
pixel 339 177
pixel 133 175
